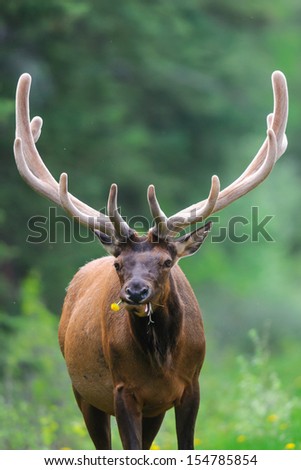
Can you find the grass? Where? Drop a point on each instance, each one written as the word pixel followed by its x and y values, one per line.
pixel 257 402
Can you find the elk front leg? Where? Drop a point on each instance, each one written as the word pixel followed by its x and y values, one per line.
pixel 186 413
pixel 129 418
pixel 97 423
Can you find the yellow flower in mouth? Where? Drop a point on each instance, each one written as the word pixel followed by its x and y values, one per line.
pixel 115 307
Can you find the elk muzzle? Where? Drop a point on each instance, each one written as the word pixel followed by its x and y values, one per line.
pixel 136 292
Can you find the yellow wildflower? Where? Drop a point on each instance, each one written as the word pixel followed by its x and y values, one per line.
pixel 272 418
pixel 290 446
pixel 154 446
pixel 79 429
pixel 241 438
pixel 115 307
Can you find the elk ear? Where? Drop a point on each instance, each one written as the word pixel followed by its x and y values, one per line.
pixel 191 242
pixel 108 243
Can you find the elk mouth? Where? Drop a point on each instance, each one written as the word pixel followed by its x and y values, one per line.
pixel 141 309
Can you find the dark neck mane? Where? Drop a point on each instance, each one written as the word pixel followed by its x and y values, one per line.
pixel 157 340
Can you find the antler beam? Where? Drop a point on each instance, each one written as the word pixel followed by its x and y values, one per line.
pixel 33 170
pixel 271 150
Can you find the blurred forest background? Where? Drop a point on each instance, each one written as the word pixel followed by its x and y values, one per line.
pixel 164 92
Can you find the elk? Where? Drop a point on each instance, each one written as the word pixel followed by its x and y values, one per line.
pixel 140 361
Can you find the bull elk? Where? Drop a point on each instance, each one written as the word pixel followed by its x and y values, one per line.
pixel 137 363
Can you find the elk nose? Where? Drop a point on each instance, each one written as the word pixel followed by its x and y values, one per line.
pixel 136 293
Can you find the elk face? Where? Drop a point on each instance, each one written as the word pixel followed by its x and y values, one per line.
pixel 143 265
pixel 143 275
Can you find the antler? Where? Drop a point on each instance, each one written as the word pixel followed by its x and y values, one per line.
pixel 271 150
pixel 33 170
pixel 36 174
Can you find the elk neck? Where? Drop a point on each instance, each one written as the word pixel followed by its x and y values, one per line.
pixel 158 338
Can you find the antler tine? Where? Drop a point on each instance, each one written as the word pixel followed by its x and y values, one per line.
pixel 33 170
pixel 280 113
pixel 24 131
pixel 36 127
pixel 122 230
pixel 160 229
pixel 271 150
pixel 196 212
pixel 168 227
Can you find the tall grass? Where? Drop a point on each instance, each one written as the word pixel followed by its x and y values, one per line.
pixel 252 402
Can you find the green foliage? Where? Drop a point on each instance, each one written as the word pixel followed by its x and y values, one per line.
pixel 263 397
pixel 37 408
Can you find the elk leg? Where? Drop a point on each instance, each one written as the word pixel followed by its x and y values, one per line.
pixel 97 423
pixel 129 418
pixel 150 428
pixel 186 413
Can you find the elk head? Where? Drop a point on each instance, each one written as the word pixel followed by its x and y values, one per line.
pixel 141 281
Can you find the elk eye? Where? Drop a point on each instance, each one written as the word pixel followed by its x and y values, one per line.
pixel 117 266
pixel 167 263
